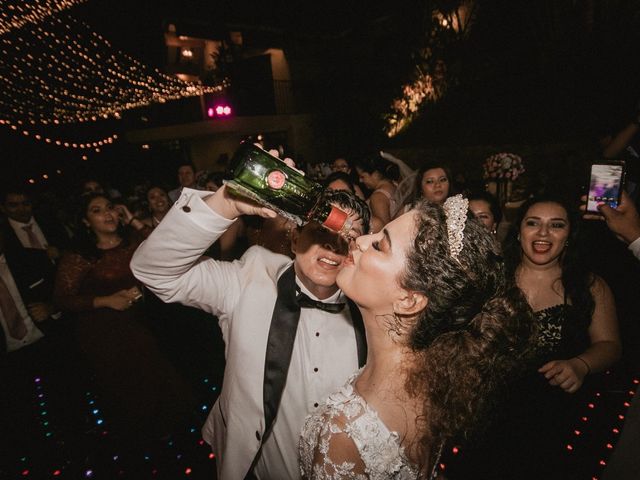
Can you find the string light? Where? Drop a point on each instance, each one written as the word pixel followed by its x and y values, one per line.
pixel 93 144
pixel 67 73
pixel 14 16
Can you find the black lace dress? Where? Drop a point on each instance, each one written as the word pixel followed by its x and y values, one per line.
pixel 535 421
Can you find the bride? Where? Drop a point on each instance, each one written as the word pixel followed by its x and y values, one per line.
pixel 442 330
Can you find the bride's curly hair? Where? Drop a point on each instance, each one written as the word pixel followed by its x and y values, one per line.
pixel 474 332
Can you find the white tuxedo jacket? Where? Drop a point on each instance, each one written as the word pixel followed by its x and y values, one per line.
pixel 242 295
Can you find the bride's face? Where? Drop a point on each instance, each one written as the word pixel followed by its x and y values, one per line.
pixel 371 273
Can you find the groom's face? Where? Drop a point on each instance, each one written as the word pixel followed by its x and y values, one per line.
pixel 319 256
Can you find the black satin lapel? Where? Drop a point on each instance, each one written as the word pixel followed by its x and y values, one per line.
pixel 282 334
pixel 361 337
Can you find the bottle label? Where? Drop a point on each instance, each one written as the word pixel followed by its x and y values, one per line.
pixel 276 179
pixel 335 220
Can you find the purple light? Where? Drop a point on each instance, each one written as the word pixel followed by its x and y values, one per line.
pixel 219 109
pixel 210 112
pixel 88 473
pixel 226 110
pixel 37 379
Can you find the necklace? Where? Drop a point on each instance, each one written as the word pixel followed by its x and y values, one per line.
pixel 109 243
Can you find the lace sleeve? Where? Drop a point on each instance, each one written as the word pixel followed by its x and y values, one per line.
pixel 71 272
pixel 332 453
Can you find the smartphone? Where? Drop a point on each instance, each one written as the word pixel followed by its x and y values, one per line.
pixel 606 181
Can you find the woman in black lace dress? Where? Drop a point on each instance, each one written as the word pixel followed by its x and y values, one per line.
pixel 577 336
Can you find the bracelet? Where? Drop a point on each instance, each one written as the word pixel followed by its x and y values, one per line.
pixel 585 362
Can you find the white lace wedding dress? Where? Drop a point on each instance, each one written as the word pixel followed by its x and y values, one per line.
pixel 346 415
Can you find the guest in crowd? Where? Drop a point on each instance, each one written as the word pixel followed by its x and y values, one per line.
pixel 485 207
pixel 33 344
pixel 213 181
pixel 544 264
pixel 577 337
pixel 142 391
pixel 19 271
pixel 433 182
pixel 23 231
pixel 186 179
pixel 378 175
pixel 276 369
pixel 159 205
pixel 342 165
pixel 339 181
pixel 442 330
pixel 91 185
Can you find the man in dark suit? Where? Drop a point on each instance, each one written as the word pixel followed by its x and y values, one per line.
pixel 22 305
pixel 34 347
pixel 23 231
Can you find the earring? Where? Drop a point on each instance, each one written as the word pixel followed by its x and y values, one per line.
pixel 518 237
pixel 566 244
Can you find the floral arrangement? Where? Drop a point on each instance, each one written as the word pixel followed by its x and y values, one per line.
pixel 506 166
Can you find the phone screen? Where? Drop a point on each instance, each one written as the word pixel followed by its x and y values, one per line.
pixel 605 185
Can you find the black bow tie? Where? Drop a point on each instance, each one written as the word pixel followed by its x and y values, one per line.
pixel 304 301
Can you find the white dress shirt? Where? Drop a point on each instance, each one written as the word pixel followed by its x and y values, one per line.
pixel 323 351
pixel 33 333
pixel 24 237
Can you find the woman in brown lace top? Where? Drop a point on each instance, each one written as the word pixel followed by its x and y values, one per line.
pixel 139 388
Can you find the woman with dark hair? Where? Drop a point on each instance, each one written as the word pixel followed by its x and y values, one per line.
pixel 575 309
pixel 339 181
pixel 443 331
pixel 486 208
pixel 379 175
pixel 159 204
pixel 433 182
pixel 575 315
pixel 141 391
pixel 342 165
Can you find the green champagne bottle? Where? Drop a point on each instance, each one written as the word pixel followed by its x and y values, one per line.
pixel 266 179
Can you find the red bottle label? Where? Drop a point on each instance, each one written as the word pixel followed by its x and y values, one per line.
pixel 276 179
pixel 336 219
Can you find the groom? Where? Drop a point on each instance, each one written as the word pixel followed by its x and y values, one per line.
pixel 289 339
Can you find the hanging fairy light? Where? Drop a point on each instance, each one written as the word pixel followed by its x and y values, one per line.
pixel 67 73
pixel 15 15
pixel 93 144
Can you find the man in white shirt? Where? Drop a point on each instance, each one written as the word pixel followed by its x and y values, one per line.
pixel 282 356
